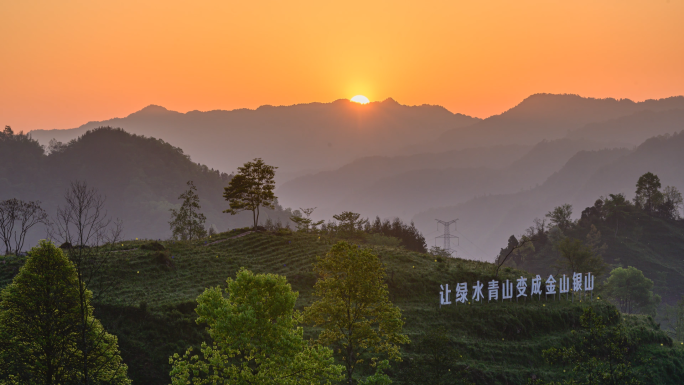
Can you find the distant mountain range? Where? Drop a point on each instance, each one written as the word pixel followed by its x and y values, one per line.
pixel 425 162
pixel 297 138
pixel 486 222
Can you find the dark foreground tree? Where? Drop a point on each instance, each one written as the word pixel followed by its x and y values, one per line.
pixel 87 234
pixel 601 353
pixel 256 338
pixel 16 219
pixel 40 332
pixel 187 223
pixel 251 189
pixel 353 307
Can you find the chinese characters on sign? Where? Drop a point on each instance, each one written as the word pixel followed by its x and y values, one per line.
pixel 581 285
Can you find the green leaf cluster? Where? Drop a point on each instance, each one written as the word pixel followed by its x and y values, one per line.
pixel 353 306
pixel 251 188
pixel 600 353
pixel 39 327
pixel 256 338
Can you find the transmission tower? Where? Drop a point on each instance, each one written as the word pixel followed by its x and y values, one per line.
pixel 447 234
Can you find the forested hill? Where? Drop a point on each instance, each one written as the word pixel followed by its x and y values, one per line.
pixel 141 178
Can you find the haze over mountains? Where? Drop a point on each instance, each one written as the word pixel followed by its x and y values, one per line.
pixel 297 138
pixel 423 162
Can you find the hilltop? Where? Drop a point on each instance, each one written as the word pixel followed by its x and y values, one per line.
pixel 141 178
pixel 151 310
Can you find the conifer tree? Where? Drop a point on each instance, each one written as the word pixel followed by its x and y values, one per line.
pixel 40 313
pixel 187 223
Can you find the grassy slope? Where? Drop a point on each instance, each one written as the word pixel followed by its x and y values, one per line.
pixel 152 310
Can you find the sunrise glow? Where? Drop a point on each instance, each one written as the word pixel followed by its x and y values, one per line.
pixel 360 99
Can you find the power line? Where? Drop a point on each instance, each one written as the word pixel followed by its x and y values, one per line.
pixel 472 243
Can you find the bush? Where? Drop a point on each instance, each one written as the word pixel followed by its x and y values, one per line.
pixel 153 246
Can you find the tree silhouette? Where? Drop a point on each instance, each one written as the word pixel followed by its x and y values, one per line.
pixel 251 188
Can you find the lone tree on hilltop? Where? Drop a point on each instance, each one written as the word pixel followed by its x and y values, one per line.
pixel 353 306
pixel 16 219
pixel 251 189
pixel 40 333
pixel 187 223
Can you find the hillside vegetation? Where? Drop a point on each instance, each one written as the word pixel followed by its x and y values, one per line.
pixel 141 178
pixel 150 310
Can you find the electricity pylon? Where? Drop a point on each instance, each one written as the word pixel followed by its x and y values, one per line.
pixel 447 234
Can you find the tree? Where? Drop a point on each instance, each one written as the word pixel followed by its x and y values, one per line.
pixel 87 234
pixel 40 327
pixel 187 223
pixel 251 189
pixel 600 354
pixel 16 219
pixel 305 224
pixel 560 216
pixel 632 291
pixel 671 203
pixel 353 306
pixel 516 249
pixel 648 195
pixel 616 206
pixel 576 257
pixel 350 222
pixel 256 338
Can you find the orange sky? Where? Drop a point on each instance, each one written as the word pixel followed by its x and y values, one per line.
pixel 68 62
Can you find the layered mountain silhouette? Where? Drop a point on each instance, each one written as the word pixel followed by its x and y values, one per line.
pixel 403 186
pixel 548 116
pixel 424 162
pixel 140 177
pixel 486 222
pixel 295 138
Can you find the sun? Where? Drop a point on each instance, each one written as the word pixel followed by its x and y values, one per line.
pixel 360 99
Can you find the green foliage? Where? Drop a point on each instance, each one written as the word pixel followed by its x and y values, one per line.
pixel 379 377
pixel 409 236
pixel 382 240
pixel 497 343
pixel 256 338
pixel 560 216
pixel 39 327
pixel 251 189
pixel 631 291
pixel 305 224
pixel 577 257
pixel 353 306
pixel 648 195
pixel 600 353
pixel 350 222
pixel 187 223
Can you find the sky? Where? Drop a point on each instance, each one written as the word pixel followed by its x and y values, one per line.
pixel 65 63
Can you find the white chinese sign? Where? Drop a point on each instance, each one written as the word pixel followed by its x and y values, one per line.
pixel 582 285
